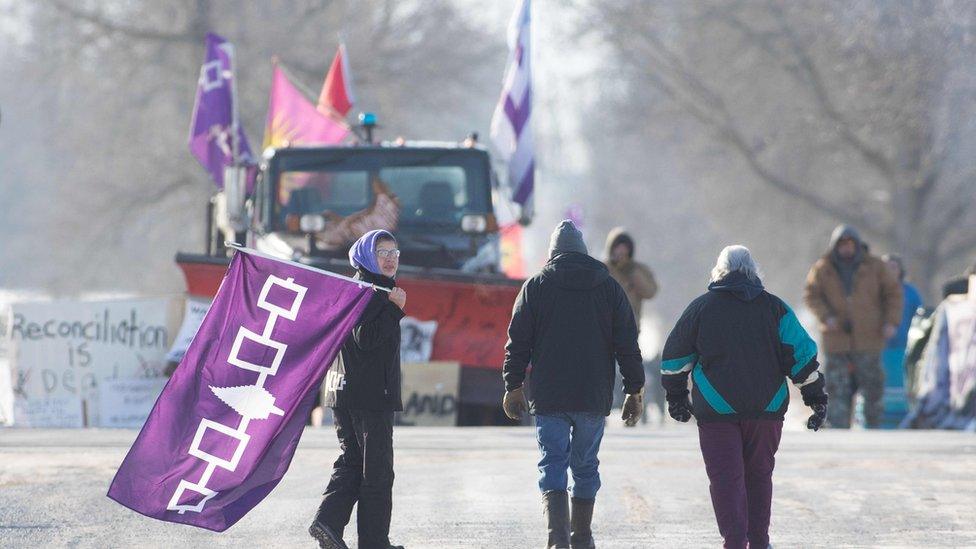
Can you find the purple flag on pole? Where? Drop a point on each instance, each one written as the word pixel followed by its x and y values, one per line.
pixel 223 431
pixel 213 113
pixel 511 127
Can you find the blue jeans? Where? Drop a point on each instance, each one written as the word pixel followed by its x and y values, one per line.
pixel 570 440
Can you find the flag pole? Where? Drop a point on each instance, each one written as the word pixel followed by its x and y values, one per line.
pixel 235 111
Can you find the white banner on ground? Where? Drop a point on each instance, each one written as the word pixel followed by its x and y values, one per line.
pixel 65 351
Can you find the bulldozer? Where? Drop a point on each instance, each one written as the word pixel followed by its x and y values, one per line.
pixel 310 203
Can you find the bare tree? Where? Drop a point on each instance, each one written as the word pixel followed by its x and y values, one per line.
pixel 113 85
pixel 861 111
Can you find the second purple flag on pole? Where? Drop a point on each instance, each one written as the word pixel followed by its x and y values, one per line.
pixel 211 130
pixel 222 433
pixel 511 124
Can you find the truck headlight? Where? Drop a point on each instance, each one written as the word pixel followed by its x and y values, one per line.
pixel 312 223
pixel 474 223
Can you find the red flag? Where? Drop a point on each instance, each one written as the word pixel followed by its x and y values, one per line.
pixel 337 97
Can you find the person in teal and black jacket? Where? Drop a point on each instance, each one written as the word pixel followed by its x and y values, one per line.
pixel 740 344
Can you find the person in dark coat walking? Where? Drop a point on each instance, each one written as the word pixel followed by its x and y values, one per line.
pixel 740 343
pixel 363 390
pixel 571 321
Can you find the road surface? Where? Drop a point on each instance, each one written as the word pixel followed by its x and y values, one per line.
pixel 476 487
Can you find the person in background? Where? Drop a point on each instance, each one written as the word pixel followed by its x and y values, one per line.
pixel 893 355
pixel 639 284
pixel 858 302
pixel 572 322
pixel 740 344
pixel 363 390
pixel 634 277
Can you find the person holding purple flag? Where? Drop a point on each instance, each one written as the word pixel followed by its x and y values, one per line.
pixel 363 390
pixel 224 429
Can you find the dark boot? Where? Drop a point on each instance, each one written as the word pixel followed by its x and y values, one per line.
pixel 557 518
pixel 582 536
pixel 327 537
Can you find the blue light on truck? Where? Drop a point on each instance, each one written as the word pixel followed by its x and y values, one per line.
pixel 367 119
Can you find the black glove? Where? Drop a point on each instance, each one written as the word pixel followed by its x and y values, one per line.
pixel 814 393
pixel 815 397
pixel 679 408
pixel 816 421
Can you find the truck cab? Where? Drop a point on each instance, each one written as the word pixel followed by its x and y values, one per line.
pixel 311 203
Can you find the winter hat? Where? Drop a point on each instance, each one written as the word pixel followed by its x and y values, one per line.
pixel 566 238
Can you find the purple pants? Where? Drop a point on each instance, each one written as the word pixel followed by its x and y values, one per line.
pixel 739 460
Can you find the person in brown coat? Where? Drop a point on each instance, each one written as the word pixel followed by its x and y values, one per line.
pixel 637 280
pixel 639 284
pixel 858 302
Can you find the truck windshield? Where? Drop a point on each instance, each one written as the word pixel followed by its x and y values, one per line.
pixel 428 189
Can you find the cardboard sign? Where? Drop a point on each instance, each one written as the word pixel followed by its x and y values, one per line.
pixel 49 412
pixel 6 370
pixel 126 403
pixel 66 350
pixel 416 339
pixel 196 309
pixel 430 394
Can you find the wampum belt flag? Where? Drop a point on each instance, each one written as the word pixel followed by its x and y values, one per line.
pixel 225 427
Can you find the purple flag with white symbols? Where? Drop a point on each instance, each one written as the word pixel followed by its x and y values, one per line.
pixel 511 128
pixel 213 113
pixel 224 429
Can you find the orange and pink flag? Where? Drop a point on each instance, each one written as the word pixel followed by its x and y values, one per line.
pixel 294 120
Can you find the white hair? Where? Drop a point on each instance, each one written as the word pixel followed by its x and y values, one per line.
pixel 736 258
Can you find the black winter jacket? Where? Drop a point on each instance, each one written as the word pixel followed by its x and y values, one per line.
pixel 366 374
pixel 740 343
pixel 571 321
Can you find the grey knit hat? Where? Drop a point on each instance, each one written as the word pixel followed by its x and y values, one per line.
pixel 566 238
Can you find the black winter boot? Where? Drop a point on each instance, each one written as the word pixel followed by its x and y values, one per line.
pixel 557 518
pixel 582 536
pixel 327 537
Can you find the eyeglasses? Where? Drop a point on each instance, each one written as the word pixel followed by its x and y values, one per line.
pixel 388 253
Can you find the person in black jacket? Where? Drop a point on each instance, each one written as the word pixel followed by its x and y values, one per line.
pixel 571 322
pixel 363 390
pixel 740 344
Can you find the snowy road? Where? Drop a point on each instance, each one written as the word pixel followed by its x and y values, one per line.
pixel 476 487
